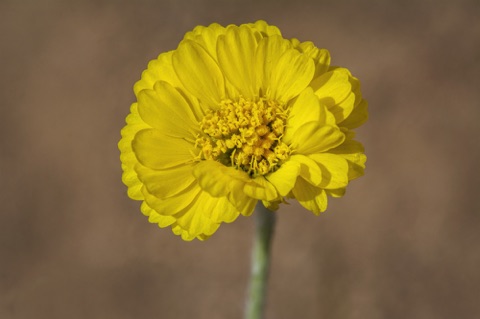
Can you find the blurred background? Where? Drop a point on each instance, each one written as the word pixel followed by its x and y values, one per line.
pixel 403 243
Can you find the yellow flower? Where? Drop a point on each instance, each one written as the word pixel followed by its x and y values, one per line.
pixel 235 115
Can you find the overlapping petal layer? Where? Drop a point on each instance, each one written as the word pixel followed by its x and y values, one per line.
pixel 282 117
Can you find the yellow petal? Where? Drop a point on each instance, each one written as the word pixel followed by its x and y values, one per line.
pixel 188 236
pixel 265 28
pixel 355 83
pixel 218 210
pixel 175 204
pixel 339 192
pixel 199 73
pixel 306 108
pixel 127 156
pixel 207 37
pixel 130 179
pixel 295 42
pixel 290 76
pixel 321 57
pixel 312 198
pixel 335 91
pixel 260 188
pixel 179 178
pixel 216 178
pixel 313 137
pixel 191 226
pixel 202 218
pixel 221 181
pixel 165 109
pixel 285 177
pixel 159 151
pixel 309 169
pixel 269 51
pixel 160 69
pixel 358 116
pixel 194 220
pixel 243 203
pixel 235 51
pixel 156 218
pixel 334 170
pixel 272 206
pixel 353 152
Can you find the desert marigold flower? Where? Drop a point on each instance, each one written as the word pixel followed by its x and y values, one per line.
pixel 235 115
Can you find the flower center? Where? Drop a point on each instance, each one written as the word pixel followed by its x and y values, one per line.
pixel 245 134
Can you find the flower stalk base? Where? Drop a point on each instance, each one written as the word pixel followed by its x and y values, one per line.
pixel 264 225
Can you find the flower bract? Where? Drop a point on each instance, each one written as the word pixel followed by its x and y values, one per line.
pixel 237 115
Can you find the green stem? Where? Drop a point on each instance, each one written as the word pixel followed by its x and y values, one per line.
pixel 264 224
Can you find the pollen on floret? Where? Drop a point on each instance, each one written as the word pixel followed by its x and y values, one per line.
pixel 245 134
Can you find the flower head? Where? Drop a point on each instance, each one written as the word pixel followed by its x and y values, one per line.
pixel 235 115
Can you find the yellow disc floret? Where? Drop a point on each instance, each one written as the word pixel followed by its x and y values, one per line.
pixel 245 134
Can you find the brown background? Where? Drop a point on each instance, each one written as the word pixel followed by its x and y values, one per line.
pixel 403 243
